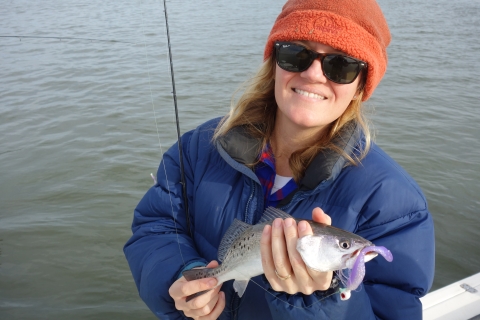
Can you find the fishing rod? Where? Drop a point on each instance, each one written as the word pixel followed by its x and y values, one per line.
pixel 180 152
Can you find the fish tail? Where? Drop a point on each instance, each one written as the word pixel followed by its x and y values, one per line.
pixel 196 274
pixel 193 296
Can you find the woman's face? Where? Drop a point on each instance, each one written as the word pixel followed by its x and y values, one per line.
pixel 308 100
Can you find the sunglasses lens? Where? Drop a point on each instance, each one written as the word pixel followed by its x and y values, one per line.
pixel 340 69
pixel 293 58
pixel 337 68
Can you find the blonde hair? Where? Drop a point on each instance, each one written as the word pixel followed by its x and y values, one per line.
pixel 256 108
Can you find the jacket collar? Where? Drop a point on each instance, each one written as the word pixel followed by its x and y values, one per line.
pixel 243 148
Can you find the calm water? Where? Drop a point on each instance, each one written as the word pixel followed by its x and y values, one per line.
pixel 78 135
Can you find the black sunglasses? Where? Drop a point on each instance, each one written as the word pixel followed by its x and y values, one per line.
pixel 337 68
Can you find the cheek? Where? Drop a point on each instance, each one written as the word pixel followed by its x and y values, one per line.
pixel 282 78
pixel 344 93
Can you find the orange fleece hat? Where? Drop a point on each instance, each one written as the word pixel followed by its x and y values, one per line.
pixel 355 27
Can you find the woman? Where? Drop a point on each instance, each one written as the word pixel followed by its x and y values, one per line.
pixel 297 140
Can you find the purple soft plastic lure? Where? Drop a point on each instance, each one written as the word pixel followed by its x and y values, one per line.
pixel 358 269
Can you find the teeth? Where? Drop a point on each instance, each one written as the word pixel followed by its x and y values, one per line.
pixel 309 94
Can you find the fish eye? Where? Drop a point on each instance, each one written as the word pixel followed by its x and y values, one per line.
pixel 344 244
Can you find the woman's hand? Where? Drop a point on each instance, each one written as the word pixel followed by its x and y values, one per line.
pixel 283 265
pixel 207 306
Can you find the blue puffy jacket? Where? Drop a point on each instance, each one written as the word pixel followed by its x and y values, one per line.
pixel 376 199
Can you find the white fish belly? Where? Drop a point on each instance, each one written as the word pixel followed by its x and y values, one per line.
pixel 244 270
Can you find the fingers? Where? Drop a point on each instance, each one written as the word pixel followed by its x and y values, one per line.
pixel 319 216
pixel 211 310
pixel 206 306
pixel 183 288
pixel 279 247
pixel 267 256
pixel 303 280
pixel 321 279
pixel 304 229
pixel 202 301
pixel 217 310
pixel 212 264
pixel 291 238
pixel 268 264
pixel 201 305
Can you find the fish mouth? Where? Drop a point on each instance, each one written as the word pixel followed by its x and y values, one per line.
pixel 353 257
pixel 370 255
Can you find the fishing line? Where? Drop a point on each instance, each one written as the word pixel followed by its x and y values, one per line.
pixel 68 38
pixel 281 300
pixel 159 140
pixel 286 302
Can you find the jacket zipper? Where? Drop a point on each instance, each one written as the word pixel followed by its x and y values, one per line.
pixel 234 306
pixel 252 194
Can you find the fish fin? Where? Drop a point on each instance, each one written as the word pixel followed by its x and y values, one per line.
pixel 193 296
pixel 272 213
pixel 240 286
pixel 236 228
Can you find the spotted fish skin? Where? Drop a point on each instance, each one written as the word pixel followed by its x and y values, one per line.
pixel 241 260
pixel 239 251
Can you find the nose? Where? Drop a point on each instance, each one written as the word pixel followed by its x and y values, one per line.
pixel 315 72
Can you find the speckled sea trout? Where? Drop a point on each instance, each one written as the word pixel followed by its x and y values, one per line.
pixel 328 249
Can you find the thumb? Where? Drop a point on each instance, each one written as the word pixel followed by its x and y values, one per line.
pixel 319 216
pixel 212 264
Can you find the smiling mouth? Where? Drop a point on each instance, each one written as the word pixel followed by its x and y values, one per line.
pixel 309 94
